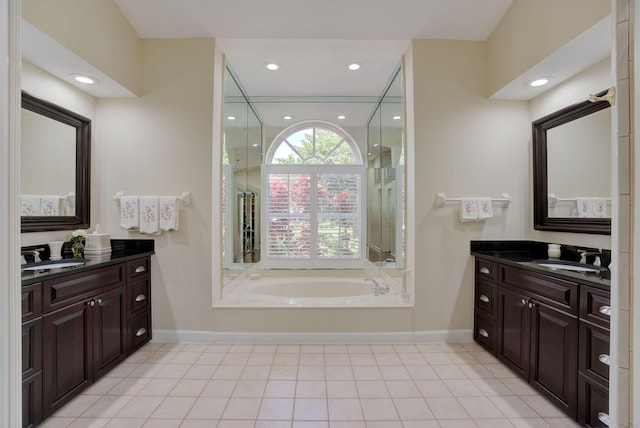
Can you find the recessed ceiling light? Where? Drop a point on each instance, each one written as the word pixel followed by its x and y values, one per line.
pixel 287 117
pixel 342 117
pixel 396 117
pixel 231 117
pixel 354 66
pixel 541 81
pixel 272 66
pixel 84 78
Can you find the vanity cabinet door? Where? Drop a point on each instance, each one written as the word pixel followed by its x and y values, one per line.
pixel 554 356
pixel 108 316
pixel 514 321
pixel 66 355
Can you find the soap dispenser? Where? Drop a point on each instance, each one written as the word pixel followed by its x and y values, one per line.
pixel 97 242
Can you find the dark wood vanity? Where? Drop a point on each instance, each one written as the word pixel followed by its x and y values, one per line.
pixel 552 329
pixel 78 324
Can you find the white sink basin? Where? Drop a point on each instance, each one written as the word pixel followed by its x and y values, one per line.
pixel 53 264
pixel 567 265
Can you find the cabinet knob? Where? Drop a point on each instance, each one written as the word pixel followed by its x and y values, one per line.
pixel 604 418
pixel 605 310
pixel 604 359
pixel 524 302
pixel 92 303
pixel 485 270
pixel 484 298
pixel 141 298
pixel 99 301
pixel 482 332
pixel 140 269
pixel 141 331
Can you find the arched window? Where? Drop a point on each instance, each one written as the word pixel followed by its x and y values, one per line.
pixel 313 209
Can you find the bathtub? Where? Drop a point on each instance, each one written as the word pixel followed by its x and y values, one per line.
pixel 311 289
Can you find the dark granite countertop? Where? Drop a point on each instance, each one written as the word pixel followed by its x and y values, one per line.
pixel 521 254
pixel 122 250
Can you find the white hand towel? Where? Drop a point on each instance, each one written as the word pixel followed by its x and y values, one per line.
pixel 129 214
pixel 50 205
pixel 584 207
pixel 600 208
pixel 169 213
pixel 468 210
pixel 485 209
pixel 29 205
pixel 149 222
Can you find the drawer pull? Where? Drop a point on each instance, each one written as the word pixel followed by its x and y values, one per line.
pixel 484 298
pixel 604 418
pixel 141 332
pixel 141 298
pixel 605 310
pixel 485 270
pixel 140 269
pixel 604 359
pixel 482 332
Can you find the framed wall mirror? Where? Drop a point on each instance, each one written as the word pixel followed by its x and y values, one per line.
pixel 572 169
pixel 55 167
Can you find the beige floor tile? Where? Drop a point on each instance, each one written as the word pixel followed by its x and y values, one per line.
pixel 260 359
pixel 452 347
pixel 280 389
pixel 342 389
pixel 311 373
pixel 310 424
pixel 241 408
pixel 286 359
pixel 500 371
pixel 219 388
pixel 125 423
pixel 433 388
pixel 519 386
pixel 173 371
pixel 57 422
pixel 379 409
pixel 382 348
pixel 311 359
pixel 235 359
pixel 363 373
pixel 335 349
pixel 172 347
pixel 405 348
pixel 288 349
pixel 447 408
pixel 162 423
pixel 129 386
pixel 102 386
pixel 480 408
pixel 413 409
pixel 402 389
pixel 345 409
pixel 107 406
pixel 310 409
pixel 412 359
pixel 140 407
pixel 513 407
pixel 312 349
pixel 77 406
pixel 462 357
pixel 210 358
pixel 562 422
pixel 235 424
pixel 209 408
pixel 394 373
pixel 195 347
pixel 461 423
pixel 438 358
pixel 249 388
pixel 362 359
pixel 311 389
pixel 273 424
pixel 185 358
pixel 218 348
pixel 283 373
pixel 493 423
pixel 174 407
pixel 336 360
pixel 203 423
pixel 492 387
pixel 200 371
pixel 158 387
pixel 161 357
pixel 384 424
pixel 89 423
pixel 342 372
pixel 484 357
pixel 188 388
pixel 242 347
pixel 146 370
pixel 422 373
pixel 449 371
pixel 372 389
pixel 463 388
pixel 266 349
pixel 476 371
pixel 542 406
pixel 227 372
pixel 529 423
pixel 276 409
pixel 429 348
pixel 256 372
pixel 388 359
pixel 421 424
pixel 122 370
pixel 347 424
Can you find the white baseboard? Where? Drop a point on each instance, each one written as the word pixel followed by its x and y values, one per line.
pixel 199 336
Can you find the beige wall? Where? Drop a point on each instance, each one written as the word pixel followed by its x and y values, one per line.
pixel 160 144
pixel 532 30
pixel 95 30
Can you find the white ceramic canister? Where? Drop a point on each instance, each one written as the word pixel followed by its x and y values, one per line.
pixel 554 251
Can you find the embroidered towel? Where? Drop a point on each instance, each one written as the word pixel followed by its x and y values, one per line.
pixel 149 222
pixel 584 207
pixel 468 210
pixel 485 209
pixel 600 207
pixel 129 214
pixel 29 205
pixel 169 213
pixel 50 205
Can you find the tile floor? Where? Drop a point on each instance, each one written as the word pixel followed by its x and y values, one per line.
pixel 309 386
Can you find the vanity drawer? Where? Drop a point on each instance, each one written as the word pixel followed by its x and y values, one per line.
pixel 139 330
pixel 138 295
pixel 486 270
pixel 31 348
pixel 74 288
pixel 594 352
pixel 31 301
pixel 138 268
pixel 485 332
pixel 593 403
pixel 595 305
pixel 486 297
pixel 554 292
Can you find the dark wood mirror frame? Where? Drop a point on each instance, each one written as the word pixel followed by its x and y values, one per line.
pixel 541 218
pixel 83 161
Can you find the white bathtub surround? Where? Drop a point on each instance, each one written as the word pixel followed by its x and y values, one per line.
pixel 326 288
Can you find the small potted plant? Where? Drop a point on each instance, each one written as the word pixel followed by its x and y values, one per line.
pixel 77 243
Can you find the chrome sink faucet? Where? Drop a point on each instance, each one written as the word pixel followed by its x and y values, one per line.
pixel 595 254
pixel 380 288
pixel 34 253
